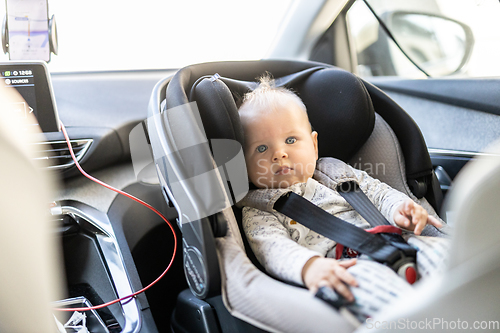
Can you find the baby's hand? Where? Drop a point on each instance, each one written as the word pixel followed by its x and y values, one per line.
pixel 319 272
pixel 411 216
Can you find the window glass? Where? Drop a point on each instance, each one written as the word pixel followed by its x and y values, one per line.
pixel 458 38
pixel 150 34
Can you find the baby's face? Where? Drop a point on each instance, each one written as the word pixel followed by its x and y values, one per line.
pixel 280 149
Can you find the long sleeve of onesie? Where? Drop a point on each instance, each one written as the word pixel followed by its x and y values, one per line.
pixel 273 246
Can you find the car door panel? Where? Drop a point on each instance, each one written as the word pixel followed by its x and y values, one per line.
pixel 450 127
pixel 477 94
pixel 458 123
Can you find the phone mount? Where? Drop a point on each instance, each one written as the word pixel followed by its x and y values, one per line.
pixel 52 36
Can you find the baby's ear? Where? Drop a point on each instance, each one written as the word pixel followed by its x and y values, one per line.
pixel 314 136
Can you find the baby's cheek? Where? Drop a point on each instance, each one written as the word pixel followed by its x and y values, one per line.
pixel 261 167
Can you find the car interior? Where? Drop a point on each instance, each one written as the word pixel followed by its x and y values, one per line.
pixel 172 138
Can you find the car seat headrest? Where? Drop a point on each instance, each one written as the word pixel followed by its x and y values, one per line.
pixel 338 105
pixel 339 109
pixel 218 109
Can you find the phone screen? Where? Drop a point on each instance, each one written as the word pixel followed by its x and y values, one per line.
pixel 28 26
pixel 32 81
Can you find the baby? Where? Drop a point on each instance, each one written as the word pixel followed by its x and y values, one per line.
pixel 281 151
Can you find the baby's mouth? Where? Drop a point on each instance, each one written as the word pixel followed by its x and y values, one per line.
pixel 283 170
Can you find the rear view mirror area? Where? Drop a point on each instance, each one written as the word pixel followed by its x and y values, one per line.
pixel 439 45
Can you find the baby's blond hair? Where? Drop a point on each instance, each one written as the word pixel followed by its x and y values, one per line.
pixel 267 96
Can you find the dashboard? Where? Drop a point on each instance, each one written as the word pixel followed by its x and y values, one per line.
pixel 111 246
pixel 32 82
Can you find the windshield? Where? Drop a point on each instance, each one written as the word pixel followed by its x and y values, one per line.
pixel 150 34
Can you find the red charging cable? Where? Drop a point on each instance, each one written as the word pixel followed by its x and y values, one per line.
pixel 128 297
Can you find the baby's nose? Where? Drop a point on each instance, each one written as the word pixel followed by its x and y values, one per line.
pixel 279 154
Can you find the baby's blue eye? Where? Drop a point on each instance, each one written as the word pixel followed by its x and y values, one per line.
pixel 290 140
pixel 261 148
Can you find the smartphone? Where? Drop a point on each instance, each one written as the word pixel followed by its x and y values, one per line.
pixel 28 27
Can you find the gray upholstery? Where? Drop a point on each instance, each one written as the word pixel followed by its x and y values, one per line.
pixel 381 157
pixel 274 306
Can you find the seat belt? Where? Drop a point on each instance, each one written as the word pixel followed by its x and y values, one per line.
pixel 387 248
pixel 351 192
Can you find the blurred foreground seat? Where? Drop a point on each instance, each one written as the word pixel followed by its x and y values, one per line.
pixel 30 276
pixel 467 295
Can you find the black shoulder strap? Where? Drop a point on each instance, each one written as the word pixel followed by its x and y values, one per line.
pixel 311 216
pixel 351 192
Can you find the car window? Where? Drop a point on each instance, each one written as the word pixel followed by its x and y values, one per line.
pixel 444 37
pixel 151 34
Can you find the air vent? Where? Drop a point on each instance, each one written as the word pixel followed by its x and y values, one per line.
pixel 58 155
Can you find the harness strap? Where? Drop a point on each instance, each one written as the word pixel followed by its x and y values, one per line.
pixel 351 192
pixel 311 216
pixel 339 249
pixel 387 247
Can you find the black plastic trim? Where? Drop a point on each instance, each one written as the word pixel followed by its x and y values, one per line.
pixel 478 93
pixel 143 235
pixel 105 150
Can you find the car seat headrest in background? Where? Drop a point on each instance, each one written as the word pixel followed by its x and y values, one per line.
pixel 338 106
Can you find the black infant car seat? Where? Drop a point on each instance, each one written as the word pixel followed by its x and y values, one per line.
pixel 195 135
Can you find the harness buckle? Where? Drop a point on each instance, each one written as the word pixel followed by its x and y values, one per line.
pixel 406 268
